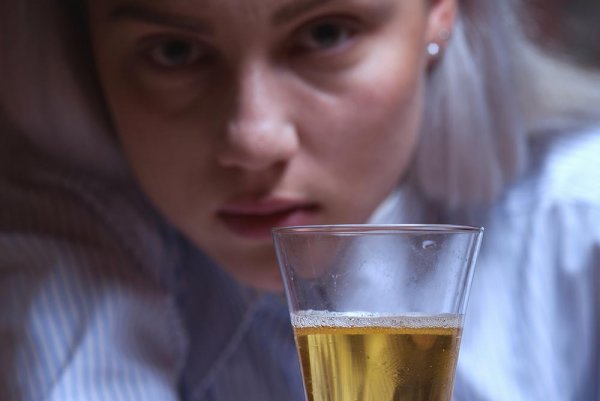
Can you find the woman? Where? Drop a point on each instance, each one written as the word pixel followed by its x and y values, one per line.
pixel 149 147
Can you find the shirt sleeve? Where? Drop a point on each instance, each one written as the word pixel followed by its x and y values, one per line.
pixel 79 321
pixel 532 331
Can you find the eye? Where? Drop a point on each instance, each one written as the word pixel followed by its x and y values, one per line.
pixel 325 35
pixel 175 53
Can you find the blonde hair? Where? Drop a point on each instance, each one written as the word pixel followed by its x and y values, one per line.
pixel 490 89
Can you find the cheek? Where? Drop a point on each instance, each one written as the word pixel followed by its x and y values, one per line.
pixel 167 132
pixel 377 107
pixel 375 126
pixel 170 154
pixel 390 102
pixel 364 138
pixel 389 113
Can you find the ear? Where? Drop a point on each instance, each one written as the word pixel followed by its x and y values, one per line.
pixel 440 21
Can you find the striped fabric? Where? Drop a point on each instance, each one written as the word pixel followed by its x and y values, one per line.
pixel 101 300
pixel 81 316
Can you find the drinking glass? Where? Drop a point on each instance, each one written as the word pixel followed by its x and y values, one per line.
pixel 377 311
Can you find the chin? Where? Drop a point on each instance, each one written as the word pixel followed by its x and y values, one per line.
pixel 260 276
pixel 263 282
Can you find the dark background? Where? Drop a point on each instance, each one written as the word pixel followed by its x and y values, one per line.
pixel 569 27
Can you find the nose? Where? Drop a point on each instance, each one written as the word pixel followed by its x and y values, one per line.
pixel 258 132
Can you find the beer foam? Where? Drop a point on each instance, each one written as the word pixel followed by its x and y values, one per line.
pixel 313 319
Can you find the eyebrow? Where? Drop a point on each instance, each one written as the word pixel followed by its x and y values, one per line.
pixel 144 14
pixel 295 9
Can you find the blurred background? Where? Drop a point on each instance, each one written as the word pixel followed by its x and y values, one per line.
pixel 569 27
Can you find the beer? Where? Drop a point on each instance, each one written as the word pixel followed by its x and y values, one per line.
pixel 374 358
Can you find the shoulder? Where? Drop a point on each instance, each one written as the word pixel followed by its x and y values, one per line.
pixel 76 285
pixel 62 232
pixel 565 165
pixel 563 170
pixel 560 191
pixel 553 210
pixel 71 229
pixel 44 201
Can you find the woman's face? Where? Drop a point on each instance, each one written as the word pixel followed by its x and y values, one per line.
pixel 240 115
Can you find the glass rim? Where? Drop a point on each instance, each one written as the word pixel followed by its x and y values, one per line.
pixel 366 229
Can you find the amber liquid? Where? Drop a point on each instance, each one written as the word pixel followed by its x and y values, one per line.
pixel 409 362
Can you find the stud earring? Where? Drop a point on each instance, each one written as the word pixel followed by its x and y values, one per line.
pixel 433 49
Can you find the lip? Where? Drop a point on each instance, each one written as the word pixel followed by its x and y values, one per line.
pixel 254 219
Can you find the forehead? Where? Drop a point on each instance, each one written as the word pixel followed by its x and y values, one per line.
pixel 274 9
pixel 245 17
pixel 254 6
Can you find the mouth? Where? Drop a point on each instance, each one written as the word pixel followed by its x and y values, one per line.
pixel 255 219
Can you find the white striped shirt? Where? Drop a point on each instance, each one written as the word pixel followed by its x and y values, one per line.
pixel 101 300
